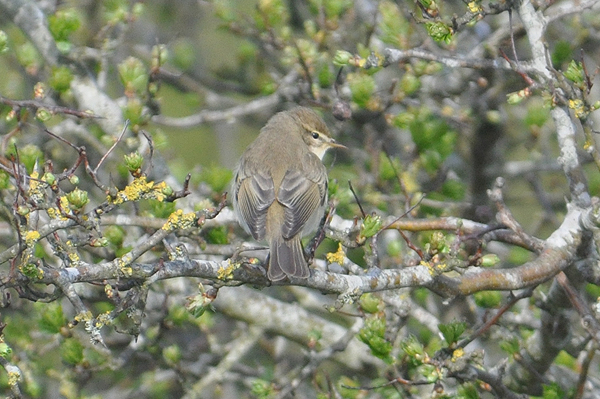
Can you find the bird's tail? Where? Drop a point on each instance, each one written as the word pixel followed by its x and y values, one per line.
pixel 287 259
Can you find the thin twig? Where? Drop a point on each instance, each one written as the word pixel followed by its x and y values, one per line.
pixel 512 300
pixel 112 147
pixel 362 211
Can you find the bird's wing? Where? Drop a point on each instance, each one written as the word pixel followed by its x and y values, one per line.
pixel 254 195
pixel 302 192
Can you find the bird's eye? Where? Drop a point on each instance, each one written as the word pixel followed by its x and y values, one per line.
pixel 315 135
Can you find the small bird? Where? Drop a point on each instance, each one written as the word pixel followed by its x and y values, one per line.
pixel 280 188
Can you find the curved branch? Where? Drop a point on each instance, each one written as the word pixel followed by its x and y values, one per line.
pixel 560 251
pixel 287 88
pixel 205 116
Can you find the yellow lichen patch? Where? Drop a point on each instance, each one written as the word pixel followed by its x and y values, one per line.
pixel 133 191
pixel 457 354
pixel 34 182
pixel 474 7
pixel 14 376
pixel 137 188
pixel 36 188
pixel 140 188
pixel 226 269
pixel 180 220
pixel 337 257
pixel 123 264
pixel 159 189
pixel 441 267
pixel 429 267
pixel 579 108
pixel 31 237
pixel 30 269
pixel 74 257
pixel 65 208
pixel 85 317
pixel 102 320
pixel 55 213
pixel 109 291
pixel 435 269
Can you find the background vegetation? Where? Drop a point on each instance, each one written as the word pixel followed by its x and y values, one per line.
pixel 460 253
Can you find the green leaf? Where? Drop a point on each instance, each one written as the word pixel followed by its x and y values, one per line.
pixel 510 346
pixel 553 391
pixel 262 389
pixel 29 155
pixel 413 349
pixel 342 58
pixel 467 391
pixel 389 167
pixel 369 303
pixel 63 23
pixel 373 334
pixel 488 299
pixel 61 78
pixel 3 42
pixel 5 350
pixel 575 73
pixel 348 387
pixel 158 209
pixel 271 14
pixel 430 132
pixel 562 52
pixel 133 161
pixel 134 75
pixel 537 115
pixel 410 83
pixel 115 235
pixel 362 87
pixel 371 225
pixel 394 28
pixel 77 198
pixel 218 235
pixel 452 331
pixel 172 354
pixel 115 11
pixel 71 351
pixel 489 260
pixel 52 318
pixel 439 31
pixel 454 189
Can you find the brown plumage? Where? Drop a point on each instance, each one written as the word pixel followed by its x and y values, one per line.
pixel 280 188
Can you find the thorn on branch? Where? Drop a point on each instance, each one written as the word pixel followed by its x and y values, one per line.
pixel 185 191
pixel 588 80
pixel 151 148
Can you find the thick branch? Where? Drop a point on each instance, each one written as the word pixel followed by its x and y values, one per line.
pixel 291 321
pixel 31 20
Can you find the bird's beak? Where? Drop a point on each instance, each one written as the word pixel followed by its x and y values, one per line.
pixel 334 144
